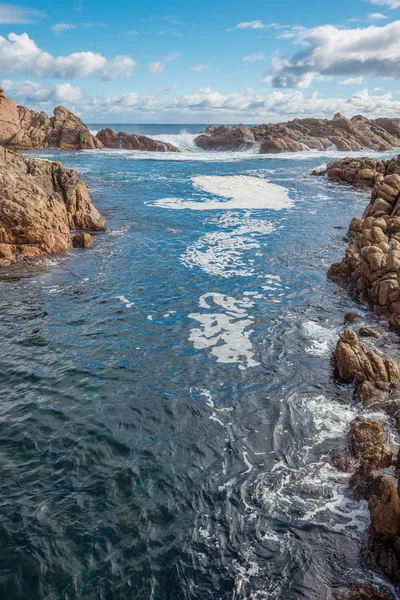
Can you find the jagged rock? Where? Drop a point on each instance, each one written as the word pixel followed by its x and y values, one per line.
pixel 23 129
pixel 369 332
pixel 351 317
pixel 82 240
pixel 223 137
pixel 110 139
pixel 353 134
pixel 361 173
pixel 368 443
pixel 40 202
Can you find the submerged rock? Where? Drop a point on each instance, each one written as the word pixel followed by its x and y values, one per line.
pixel 127 141
pixel 40 203
pixel 82 240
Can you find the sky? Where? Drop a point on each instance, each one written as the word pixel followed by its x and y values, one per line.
pixel 220 61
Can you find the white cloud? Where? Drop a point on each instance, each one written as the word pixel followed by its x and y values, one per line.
pixel 17 15
pixel 377 17
pixel 250 25
pixel 254 57
pixel 132 32
pixel 156 68
pixel 352 81
pixel 19 53
pixel 59 27
pixel 173 56
pixel 198 68
pixel 391 4
pixel 34 92
pixel 331 51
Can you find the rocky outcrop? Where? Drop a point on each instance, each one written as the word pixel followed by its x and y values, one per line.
pixel 109 139
pixel 24 129
pixel 223 137
pixel 370 269
pixel 355 134
pixel 362 173
pixel 368 443
pixel 40 203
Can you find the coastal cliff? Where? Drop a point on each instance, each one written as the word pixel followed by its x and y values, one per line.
pixel 41 204
pixel 355 134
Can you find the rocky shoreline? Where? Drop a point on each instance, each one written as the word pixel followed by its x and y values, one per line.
pixel 355 134
pixel 369 271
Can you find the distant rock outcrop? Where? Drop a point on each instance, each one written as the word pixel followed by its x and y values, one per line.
pixel 127 141
pixel 355 134
pixel 40 203
pixel 223 137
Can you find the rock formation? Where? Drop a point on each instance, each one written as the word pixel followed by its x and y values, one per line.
pixel 355 134
pixel 110 139
pixel 223 137
pixel 362 173
pixel 364 591
pixel 25 129
pixel 370 268
pixel 40 203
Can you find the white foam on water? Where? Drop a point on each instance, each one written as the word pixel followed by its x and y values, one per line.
pixel 242 191
pixel 223 253
pixel 125 301
pixel 183 140
pixel 322 338
pixel 226 332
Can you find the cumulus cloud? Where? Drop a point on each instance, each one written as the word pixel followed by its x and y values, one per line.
pixel 19 53
pixel 391 4
pixel 156 68
pixel 331 51
pixel 250 25
pixel 59 27
pixel 254 57
pixel 202 105
pixel 17 15
pixel 198 68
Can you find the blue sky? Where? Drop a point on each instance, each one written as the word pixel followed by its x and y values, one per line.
pixel 209 62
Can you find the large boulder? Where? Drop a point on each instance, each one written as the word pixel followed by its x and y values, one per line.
pixel 9 119
pixel 362 173
pixel 109 139
pixel 223 137
pixel 40 203
pixel 368 443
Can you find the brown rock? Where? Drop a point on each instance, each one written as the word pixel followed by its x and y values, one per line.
pixel 368 443
pixel 223 137
pixel 40 202
pixel 363 591
pixel 82 240
pixel 369 332
pixel 123 140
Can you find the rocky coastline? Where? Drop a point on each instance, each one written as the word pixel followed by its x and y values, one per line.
pixel 25 129
pixel 340 133
pixel 369 271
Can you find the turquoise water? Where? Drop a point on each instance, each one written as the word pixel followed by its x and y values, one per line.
pixel 167 401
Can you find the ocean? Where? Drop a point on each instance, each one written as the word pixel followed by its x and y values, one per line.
pixel 168 407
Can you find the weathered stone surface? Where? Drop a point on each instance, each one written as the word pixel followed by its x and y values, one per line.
pixel 82 240
pixel 362 173
pixel 369 332
pixel 353 134
pixel 40 202
pixel 23 129
pixel 223 137
pixel 368 443
pixel 110 139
